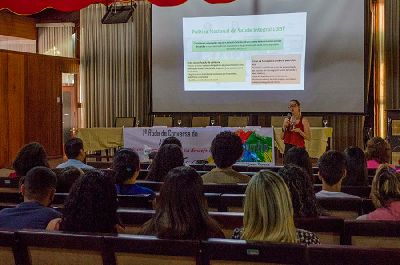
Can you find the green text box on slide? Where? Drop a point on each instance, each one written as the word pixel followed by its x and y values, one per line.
pixel 237 45
pixel 216 71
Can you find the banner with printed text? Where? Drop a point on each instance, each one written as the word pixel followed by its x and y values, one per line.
pixel 196 142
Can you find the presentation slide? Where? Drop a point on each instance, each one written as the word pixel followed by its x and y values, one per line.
pixel 255 55
pixel 258 52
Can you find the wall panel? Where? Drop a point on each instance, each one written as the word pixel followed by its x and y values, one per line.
pixel 3 110
pixel 17 26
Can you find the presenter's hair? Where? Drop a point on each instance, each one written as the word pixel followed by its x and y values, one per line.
pixel 181 211
pixel 302 191
pixel 226 149
pixel 356 165
pixel 385 186
pixel 29 156
pixel 38 182
pixel 172 140
pixel 125 163
pixel 332 167
pixel 168 157
pixel 268 211
pixel 296 101
pixel 73 147
pixel 299 156
pixel 378 149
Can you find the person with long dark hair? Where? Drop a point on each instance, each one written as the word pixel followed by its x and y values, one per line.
pixel 126 165
pixel 168 157
pixel 181 210
pixel 302 191
pixel 90 207
pixel 29 156
pixel 299 157
pixel 356 167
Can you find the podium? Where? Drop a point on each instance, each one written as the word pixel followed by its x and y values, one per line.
pixel 393 133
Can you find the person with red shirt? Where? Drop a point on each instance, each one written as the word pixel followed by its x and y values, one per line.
pixel 295 128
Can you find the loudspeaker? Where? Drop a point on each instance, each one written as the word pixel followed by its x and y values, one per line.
pixel 118 14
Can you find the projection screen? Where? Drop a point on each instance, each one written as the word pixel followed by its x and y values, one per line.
pixel 255 55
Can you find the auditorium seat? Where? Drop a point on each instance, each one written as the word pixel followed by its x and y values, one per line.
pixel 227 251
pixel 125 122
pixel 140 250
pixel 56 248
pixel 7 243
pixel 347 208
pixel 360 191
pixel 328 228
pixel 133 219
pixel 6 182
pixel 231 203
pixel 347 255
pixel 201 121
pixel 162 121
pixel 238 121
pixel 377 234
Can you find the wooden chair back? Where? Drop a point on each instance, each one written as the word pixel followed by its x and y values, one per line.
pixel 56 248
pixel 149 250
pixel 238 121
pixel 125 122
pixel 377 234
pixel 346 255
pixel 347 208
pixel 225 251
pixel 8 249
pixel 162 121
pixel 201 121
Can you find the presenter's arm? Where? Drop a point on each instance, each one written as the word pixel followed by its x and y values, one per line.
pixel 307 132
pixel 285 126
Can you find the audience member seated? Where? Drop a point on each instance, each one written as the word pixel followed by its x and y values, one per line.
pixel 301 190
pixel 226 149
pixel 181 211
pixel 356 167
pixel 268 212
pixel 378 152
pixel 299 157
pixel 67 178
pixel 90 207
pixel 172 140
pixel 385 194
pixel 28 157
pixel 126 165
pixel 332 169
pixel 76 155
pixel 169 156
pixel 168 140
pixel 38 190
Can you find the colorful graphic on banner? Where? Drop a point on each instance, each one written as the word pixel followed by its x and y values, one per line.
pixel 196 142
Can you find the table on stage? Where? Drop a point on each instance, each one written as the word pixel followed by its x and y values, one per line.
pixel 321 139
pixel 96 139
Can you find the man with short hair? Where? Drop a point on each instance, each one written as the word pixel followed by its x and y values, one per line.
pixel 332 170
pixel 38 189
pixel 226 149
pixel 76 155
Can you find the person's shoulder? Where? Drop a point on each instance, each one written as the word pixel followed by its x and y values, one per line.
pixel 54 225
pixel 307 237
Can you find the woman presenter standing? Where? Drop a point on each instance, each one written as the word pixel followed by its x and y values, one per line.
pixel 295 128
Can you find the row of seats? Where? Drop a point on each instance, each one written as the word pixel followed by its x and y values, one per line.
pixel 348 208
pixel 44 248
pixel 330 230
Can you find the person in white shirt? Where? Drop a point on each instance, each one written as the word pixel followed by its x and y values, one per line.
pixel 332 170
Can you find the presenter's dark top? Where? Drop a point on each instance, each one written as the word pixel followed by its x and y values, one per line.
pixel 294 138
pixel 27 215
